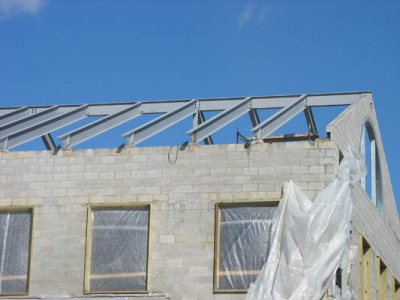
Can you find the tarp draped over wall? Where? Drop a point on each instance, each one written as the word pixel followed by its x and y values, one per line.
pixel 309 239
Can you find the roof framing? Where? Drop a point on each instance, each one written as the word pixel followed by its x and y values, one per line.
pixel 19 125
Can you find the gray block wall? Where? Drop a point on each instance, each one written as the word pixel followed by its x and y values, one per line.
pixel 382 231
pixel 183 195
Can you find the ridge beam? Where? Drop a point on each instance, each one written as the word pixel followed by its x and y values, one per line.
pixel 93 129
pixel 280 118
pixel 47 126
pixel 159 124
pixel 28 122
pixel 16 114
pixel 222 119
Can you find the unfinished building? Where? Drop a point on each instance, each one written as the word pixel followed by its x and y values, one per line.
pixel 165 223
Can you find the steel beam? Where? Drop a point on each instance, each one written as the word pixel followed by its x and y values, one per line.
pixel 222 119
pixel 207 140
pixel 280 118
pixel 49 142
pixel 84 133
pixel 28 122
pixel 13 115
pixel 255 120
pixel 45 127
pixel 155 107
pixel 159 124
pixel 312 127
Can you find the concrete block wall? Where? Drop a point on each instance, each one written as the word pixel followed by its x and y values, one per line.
pixel 381 231
pixel 61 186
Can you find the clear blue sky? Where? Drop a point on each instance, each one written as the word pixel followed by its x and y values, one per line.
pixel 93 51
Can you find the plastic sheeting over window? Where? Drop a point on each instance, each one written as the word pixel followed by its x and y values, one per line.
pixel 243 242
pixel 309 240
pixel 15 232
pixel 119 248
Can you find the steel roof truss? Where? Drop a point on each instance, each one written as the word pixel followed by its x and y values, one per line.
pixel 13 115
pixel 47 126
pixel 280 118
pixel 28 121
pixel 161 123
pixel 222 119
pixel 84 133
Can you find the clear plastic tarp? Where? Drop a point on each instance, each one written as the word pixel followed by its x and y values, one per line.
pixel 15 231
pixel 244 236
pixel 119 249
pixel 309 240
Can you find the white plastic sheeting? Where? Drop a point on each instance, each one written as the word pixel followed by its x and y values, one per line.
pixel 309 239
pixel 243 242
pixel 119 249
pixel 15 231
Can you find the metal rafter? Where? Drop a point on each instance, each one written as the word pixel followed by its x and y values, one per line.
pixel 13 115
pixel 255 120
pixel 159 124
pixel 43 128
pixel 280 118
pixel 207 140
pixel 312 127
pixel 222 119
pixel 84 133
pixel 49 142
pixel 28 122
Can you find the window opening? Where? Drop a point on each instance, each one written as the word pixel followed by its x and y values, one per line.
pixel 117 250
pixel 243 234
pixel 372 182
pixel 15 237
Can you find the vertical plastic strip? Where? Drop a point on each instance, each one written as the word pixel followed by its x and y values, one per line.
pixel 3 251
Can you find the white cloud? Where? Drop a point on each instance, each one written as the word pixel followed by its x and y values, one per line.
pixel 246 15
pixel 9 8
pixel 250 11
pixel 262 16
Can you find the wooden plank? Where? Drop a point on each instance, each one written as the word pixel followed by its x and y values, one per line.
pixel 367 265
pixel 360 266
pixel 13 277
pixel 88 254
pixel 239 273
pixel 117 275
pixel 382 272
pixel 396 289
pixel 216 246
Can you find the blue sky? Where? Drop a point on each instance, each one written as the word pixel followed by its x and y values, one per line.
pixel 85 51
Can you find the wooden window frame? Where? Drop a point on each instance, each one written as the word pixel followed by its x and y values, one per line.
pixel 28 277
pixel 218 206
pixel 88 248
